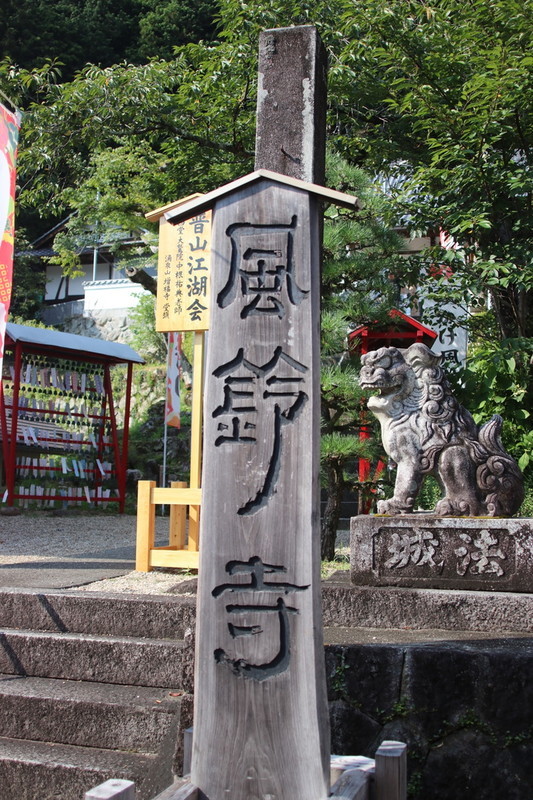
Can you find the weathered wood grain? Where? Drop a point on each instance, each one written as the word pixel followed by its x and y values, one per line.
pixel 391 771
pixel 261 713
pixel 291 103
pixel 114 789
pixel 340 764
pixel 354 784
pixel 180 790
pixel 187 750
pixel 207 201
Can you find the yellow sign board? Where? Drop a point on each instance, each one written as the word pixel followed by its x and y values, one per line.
pixel 183 272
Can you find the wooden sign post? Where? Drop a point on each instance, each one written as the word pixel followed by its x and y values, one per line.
pixel 261 724
pixel 261 729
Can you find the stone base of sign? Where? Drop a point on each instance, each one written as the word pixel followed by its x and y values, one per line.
pixel 424 551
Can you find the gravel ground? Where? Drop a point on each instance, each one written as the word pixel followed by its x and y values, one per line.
pixel 40 537
pixel 158 581
pixel 27 537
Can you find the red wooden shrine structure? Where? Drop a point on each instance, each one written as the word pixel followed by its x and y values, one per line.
pixel 402 332
pixel 58 420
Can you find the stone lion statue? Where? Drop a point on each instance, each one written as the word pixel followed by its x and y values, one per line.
pixel 425 431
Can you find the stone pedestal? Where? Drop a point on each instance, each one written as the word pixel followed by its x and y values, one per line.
pixel 424 551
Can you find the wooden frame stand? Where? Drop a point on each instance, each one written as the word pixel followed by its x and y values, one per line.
pixel 184 525
pixel 184 507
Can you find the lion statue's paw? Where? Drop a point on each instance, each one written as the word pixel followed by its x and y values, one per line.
pixel 458 508
pixel 392 507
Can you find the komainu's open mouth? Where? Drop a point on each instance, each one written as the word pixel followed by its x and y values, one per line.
pixel 380 388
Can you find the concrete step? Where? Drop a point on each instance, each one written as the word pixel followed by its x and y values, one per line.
pixel 105 659
pixel 43 771
pixel 92 687
pixel 133 718
pixel 147 616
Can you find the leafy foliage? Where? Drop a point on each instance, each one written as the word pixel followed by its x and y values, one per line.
pixel 499 376
pixel 439 96
pixel 360 253
pixel 148 342
pixel 100 31
pixel 432 98
pixel 172 24
pixel 29 285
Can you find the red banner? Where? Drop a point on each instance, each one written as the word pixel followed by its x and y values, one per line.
pixel 9 131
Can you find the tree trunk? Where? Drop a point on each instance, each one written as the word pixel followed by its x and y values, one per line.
pixel 512 310
pixel 142 277
pixel 332 511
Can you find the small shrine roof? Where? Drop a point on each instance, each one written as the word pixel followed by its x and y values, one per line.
pixel 66 344
pixel 154 215
pixel 401 327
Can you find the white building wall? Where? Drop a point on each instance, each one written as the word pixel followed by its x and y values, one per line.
pixel 68 287
pixel 120 293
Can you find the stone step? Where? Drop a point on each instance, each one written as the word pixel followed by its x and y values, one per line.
pixel 44 771
pixel 389 607
pixel 106 659
pixel 147 616
pixel 133 718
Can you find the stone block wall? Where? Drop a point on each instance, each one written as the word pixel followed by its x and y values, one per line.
pixel 97 321
pixel 108 324
pixel 465 709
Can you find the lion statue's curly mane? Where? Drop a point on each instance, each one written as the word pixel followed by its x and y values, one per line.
pixel 426 431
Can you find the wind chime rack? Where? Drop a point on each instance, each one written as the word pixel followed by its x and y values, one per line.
pixel 60 438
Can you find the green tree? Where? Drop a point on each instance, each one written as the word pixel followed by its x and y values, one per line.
pixel 29 287
pixel 114 143
pixel 360 254
pixel 104 32
pixel 76 33
pixel 173 24
pixel 188 122
pixel 151 344
pixel 436 96
pixel 433 98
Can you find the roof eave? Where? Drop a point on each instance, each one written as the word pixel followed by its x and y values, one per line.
pixel 206 201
